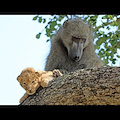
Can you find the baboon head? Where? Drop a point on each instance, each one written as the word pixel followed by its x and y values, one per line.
pixel 75 37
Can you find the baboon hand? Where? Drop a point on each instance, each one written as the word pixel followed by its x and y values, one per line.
pixel 56 73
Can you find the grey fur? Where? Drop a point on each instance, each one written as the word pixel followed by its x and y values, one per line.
pixel 61 47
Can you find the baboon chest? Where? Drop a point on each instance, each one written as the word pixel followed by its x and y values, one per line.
pixel 70 65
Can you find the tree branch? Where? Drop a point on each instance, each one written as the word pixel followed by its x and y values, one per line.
pixel 118 20
pixel 82 87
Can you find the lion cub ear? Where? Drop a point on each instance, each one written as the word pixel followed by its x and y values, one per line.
pixel 37 73
pixel 18 78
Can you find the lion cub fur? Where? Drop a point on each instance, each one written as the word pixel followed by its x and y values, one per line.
pixel 31 80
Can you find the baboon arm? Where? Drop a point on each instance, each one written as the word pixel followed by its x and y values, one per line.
pixel 51 65
pixel 53 59
pixel 95 63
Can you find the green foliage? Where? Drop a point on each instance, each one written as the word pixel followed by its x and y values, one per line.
pixel 52 25
pixel 106 30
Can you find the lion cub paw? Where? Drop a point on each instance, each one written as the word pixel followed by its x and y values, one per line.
pixel 57 73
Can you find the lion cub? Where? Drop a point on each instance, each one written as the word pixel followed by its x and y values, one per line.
pixel 31 80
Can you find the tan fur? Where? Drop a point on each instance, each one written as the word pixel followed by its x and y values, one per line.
pixel 72 47
pixel 31 80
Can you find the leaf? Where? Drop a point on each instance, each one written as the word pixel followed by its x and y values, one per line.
pixel 61 17
pixel 113 61
pixel 35 18
pixel 59 25
pixel 38 35
pixel 104 17
pixel 46 26
pixel 44 20
pixel 51 35
pixel 40 19
pixel 118 56
pixel 52 25
pixel 99 42
pixel 105 61
pixel 48 32
pixel 108 27
pixel 101 32
pixel 110 16
pixel 97 46
pixel 114 23
pixel 49 22
pixel 47 40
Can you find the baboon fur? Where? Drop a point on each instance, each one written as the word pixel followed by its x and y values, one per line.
pixel 64 47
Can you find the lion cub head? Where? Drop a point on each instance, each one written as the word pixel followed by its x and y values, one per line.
pixel 29 80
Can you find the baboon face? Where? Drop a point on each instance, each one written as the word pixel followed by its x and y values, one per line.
pixel 75 50
pixel 75 38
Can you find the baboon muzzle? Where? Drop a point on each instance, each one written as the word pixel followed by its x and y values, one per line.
pixel 75 52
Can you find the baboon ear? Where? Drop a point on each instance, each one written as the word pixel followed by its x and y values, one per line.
pixel 91 27
pixel 65 24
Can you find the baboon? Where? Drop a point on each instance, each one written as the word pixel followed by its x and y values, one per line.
pixel 72 47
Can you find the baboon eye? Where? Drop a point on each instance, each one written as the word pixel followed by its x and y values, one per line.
pixel 83 39
pixel 24 83
pixel 75 39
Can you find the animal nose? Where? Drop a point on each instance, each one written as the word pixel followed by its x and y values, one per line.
pixel 76 57
pixel 29 89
